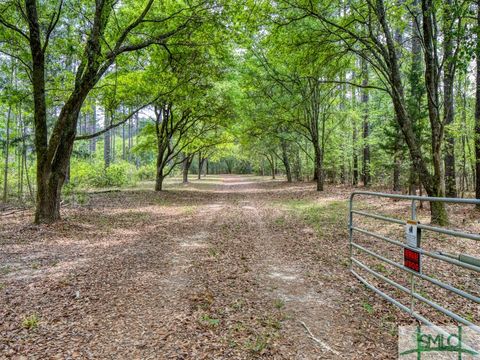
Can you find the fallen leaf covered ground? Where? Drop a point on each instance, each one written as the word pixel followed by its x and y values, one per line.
pixel 228 267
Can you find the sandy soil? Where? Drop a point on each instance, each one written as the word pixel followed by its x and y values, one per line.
pixel 223 268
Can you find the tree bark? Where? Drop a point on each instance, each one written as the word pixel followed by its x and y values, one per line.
pixel 187 161
pixel 477 111
pixel 318 166
pixel 7 154
pixel 159 179
pixel 200 164
pixel 355 156
pixel 286 161
pixel 448 103
pixel 366 127
pixel 106 142
pixel 93 129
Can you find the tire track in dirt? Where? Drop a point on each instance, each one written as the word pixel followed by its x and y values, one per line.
pixel 286 279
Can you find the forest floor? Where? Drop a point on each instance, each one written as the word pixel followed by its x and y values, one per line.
pixel 227 267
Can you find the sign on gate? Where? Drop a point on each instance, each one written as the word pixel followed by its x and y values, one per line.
pixel 411 233
pixel 412 258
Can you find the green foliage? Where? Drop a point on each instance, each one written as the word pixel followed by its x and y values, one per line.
pixel 259 344
pixel 209 321
pixel 30 322
pixel 86 174
pixel 146 172
pixel 279 304
pixel 314 214
pixel 368 307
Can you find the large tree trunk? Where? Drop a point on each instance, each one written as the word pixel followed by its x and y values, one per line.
pixel 477 113
pixel 47 202
pixel 53 174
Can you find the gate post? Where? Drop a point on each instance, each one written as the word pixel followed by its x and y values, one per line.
pixel 412 277
pixel 350 229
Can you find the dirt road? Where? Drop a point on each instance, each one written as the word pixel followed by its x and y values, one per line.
pixel 227 267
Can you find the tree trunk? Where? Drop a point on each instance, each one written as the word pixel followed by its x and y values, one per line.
pixel 318 166
pixel 159 178
pixel 187 161
pixel 285 160
pixel 396 174
pixel 106 143
pixel 397 162
pixel 7 154
pixel 23 152
pixel 477 112
pixel 124 149
pixel 200 164
pixel 366 127
pixel 434 185
pixel 93 129
pixel 355 156
pixel 448 104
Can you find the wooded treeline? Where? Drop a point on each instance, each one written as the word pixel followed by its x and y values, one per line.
pixel 100 93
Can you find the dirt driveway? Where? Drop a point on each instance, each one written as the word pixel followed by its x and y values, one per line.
pixel 227 267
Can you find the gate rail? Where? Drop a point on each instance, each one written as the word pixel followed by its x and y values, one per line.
pixel 462 260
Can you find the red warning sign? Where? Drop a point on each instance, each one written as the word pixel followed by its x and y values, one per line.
pixel 411 259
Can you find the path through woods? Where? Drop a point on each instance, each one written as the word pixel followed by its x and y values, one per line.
pixel 226 267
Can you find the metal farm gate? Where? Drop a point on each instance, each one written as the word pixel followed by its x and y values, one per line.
pixel 409 246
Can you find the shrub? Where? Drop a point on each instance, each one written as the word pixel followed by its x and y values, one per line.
pixel 147 172
pixel 93 174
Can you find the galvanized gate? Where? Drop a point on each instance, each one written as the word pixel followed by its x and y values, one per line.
pixel 413 255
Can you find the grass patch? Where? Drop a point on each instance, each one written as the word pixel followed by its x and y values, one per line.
pixel 238 304
pixel 279 304
pixel 257 345
pixel 213 252
pixel 30 322
pixel 368 307
pixel 189 210
pixel 5 270
pixel 320 214
pixel 209 321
